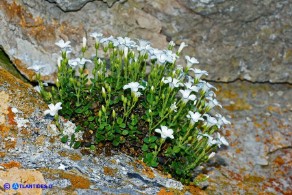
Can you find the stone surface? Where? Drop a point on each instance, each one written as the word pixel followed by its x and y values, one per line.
pixel 232 39
pixel 258 160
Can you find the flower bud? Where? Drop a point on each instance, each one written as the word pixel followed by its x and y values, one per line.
pixel 114 114
pixel 152 89
pixel 103 92
pixel 57 83
pixel 103 109
pixel 59 61
pixel 71 80
pixel 84 42
pixel 99 114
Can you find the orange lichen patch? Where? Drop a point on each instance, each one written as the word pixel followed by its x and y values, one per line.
pixel 149 172
pixel 253 179
pixel 10 144
pixel 22 176
pixel 11 164
pixel 238 150
pixel 11 116
pixel 40 140
pixel 279 161
pixel 72 156
pixel 4 131
pixel 238 105
pixel 76 180
pixel 109 171
pixel 274 109
pixel 25 98
pixel 164 192
pixel 228 94
pixel 2 154
pixel 195 190
pixel 32 26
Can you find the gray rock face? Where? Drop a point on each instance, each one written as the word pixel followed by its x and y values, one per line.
pixel 232 39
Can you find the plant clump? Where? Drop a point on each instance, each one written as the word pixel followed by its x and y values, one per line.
pixel 162 116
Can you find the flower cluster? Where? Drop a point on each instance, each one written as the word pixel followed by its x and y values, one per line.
pixel 169 111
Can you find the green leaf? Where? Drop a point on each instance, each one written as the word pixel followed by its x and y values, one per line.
pixel 125 132
pixel 149 98
pixel 64 139
pixel 77 145
pixel 91 118
pixel 146 140
pixel 79 110
pixel 123 125
pixel 116 143
pixel 144 147
pixel 119 120
pixel 152 139
pixel 176 149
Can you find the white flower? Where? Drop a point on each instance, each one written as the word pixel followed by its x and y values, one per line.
pixel 191 87
pixel 211 155
pixel 211 141
pixel 195 117
pixel 84 42
pixel 205 86
pixel 36 68
pixel 97 36
pixel 199 73
pixel 165 132
pixel 134 86
pixel 222 120
pixel 212 103
pixel 144 47
pixel 53 109
pixel 211 121
pixel 124 42
pixel 173 107
pixel 105 41
pixel 221 140
pixel 186 95
pixel 182 45
pixel 62 44
pixel 171 44
pixel 78 61
pixel 173 82
pixel 191 61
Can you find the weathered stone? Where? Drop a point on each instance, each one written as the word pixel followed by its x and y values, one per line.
pixel 232 39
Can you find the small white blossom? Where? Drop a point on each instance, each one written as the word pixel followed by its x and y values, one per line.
pixel 171 44
pixel 53 109
pixel 186 95
pixel 144 47
pixel 191 87
pixel 165 132
pixel 199 73
pixel 205 86
pixel 222 120
pixel 173 107
pixel 62 44
pixel 36 68
pixel 134 86
pixel 78 61
pixel 212 103
pixel 221 140
pixel 97 36
pixel 191 61
pixel 211 121
pixel 182 45
pixel 195 117
pixel 173 82
pixel 105 41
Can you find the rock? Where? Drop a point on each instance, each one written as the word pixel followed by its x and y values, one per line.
pixel 14 181
pixel 231 39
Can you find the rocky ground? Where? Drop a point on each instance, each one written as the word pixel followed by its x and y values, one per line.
pixel 258 160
